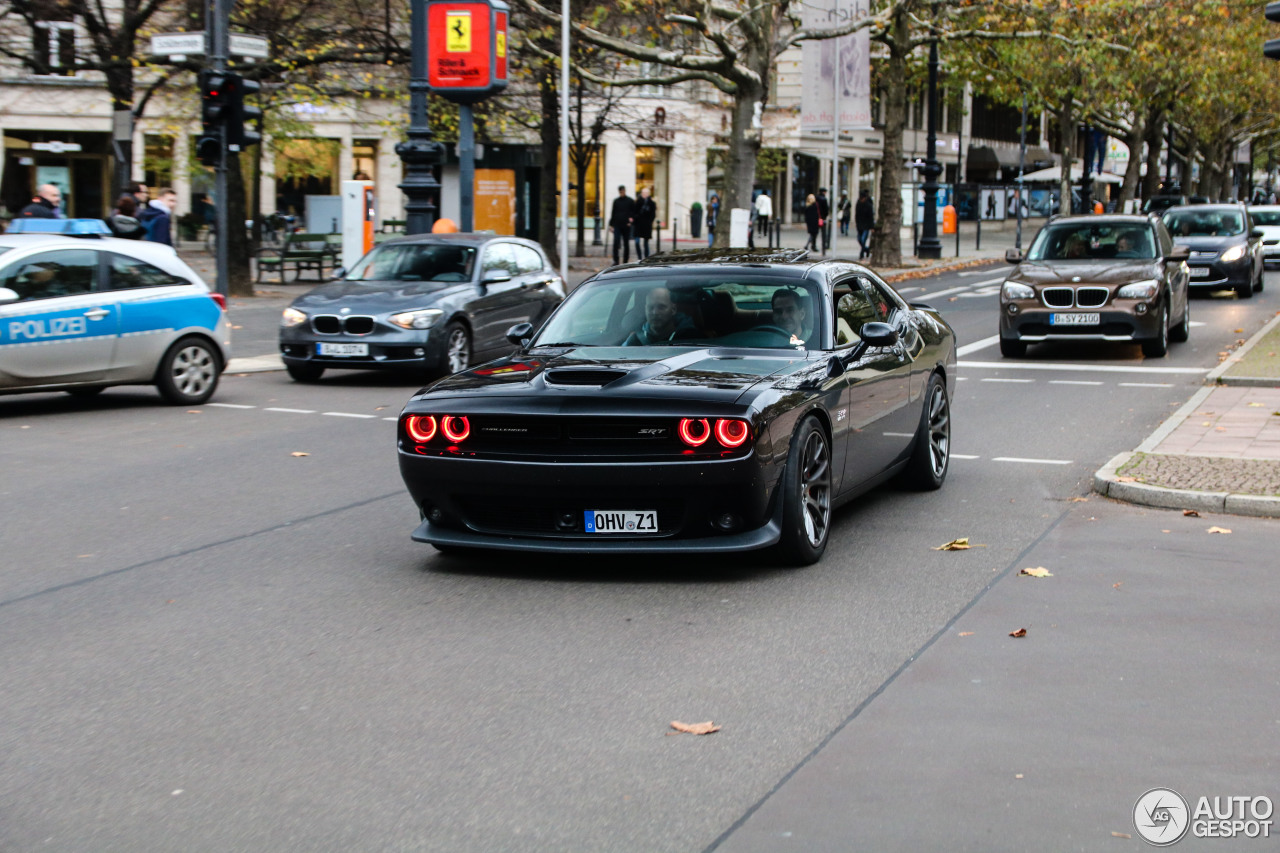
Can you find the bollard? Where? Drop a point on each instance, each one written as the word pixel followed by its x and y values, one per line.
pixel 675 235
pixel 657 238
pixel 915 238
pixel 977 246
pixel 957 237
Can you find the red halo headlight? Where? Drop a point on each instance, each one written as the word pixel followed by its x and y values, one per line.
pixel 420 428
pixel 455 428
pixel 732 432
pixel 694 431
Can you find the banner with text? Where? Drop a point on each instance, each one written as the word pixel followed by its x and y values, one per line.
pixel 850 54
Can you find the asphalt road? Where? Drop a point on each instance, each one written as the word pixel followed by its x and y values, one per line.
pixel 214 643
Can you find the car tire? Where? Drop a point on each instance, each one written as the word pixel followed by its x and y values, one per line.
pixel 1245 290
pixel 1179 333
pixel 457 349
pixel 304 372
pixel 1261 282
pixel 188 373
pixel 87 391
pixel 1010 348
pixel 931 454
pixel 806 496
pixel 1158 346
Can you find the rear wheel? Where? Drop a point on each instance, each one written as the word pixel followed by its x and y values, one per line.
pixel 1158 346
pixel 927 467
pixel 1010 348
pixel 304 372
pixel 188 373
pixel 806 496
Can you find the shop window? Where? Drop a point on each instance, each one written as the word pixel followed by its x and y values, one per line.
pixel 364 154
pixel 157 161
pixel 589 193
pixel 54 48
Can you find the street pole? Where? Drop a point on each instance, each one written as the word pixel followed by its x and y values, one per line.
pixel 930 246
pixel 466 167
pixel 218 49
pixel 420 152
pixel 835 151
pixel 564 141
pixel 1022 168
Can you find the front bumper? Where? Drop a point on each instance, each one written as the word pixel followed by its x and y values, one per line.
pixel 1219 275
pixel 1031 324
pixel 387 349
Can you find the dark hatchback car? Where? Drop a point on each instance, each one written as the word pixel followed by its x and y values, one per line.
pixel 433 303
pixel 1102 278
pixel 714 401
pixel 1226 247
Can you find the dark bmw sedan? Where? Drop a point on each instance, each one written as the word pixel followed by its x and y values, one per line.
pixel 433 303
pixel 1226 247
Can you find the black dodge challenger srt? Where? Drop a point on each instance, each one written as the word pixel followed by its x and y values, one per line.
pixel 711 401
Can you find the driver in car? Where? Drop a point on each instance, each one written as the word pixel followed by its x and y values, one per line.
pixel 663 323
pixel 788 312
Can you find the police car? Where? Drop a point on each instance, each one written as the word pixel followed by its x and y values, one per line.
pixel 80 312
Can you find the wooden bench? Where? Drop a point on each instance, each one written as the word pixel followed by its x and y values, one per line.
pixel 302 252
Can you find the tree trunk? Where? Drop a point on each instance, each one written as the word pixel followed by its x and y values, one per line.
pixel 239 279
pixel 1067 139
pixel 1133 169
pixel 886 237
pixel 581 173
pixel 740 159
pixel 1154 135
pixel 549 202
pixel 1187 186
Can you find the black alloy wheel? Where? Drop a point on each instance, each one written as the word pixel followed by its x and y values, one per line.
pixel 927 468
pixel 304 372
pixel 1262 276
pixel 188 373
pixel 1158 346
pixel 806 496
pixel 1244 290
pixel 1012 348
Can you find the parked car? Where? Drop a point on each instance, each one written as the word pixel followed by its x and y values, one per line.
pixel 432 303
pixel 1266 218
pixel 1158 203
pixel 1102 278
pixel 80 312
pixel 1226 248
pixel 713 401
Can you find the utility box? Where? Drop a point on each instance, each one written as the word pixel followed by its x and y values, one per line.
pixel 359 212
pixel 739 227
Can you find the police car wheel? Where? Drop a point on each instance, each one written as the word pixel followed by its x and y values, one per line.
pixel 188 373
pixel 87 391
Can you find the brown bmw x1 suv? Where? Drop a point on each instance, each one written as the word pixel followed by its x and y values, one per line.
pixel 1099 278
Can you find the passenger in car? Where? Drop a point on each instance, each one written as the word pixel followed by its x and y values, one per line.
pixel 663 323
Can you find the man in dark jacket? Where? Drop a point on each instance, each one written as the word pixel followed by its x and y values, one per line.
pixel 620 218
pixel 864 219
pixel 646 211
pixel 157 217
pixel 44 205
pixel 824 213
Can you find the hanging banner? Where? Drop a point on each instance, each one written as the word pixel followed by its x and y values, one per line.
pixel 851 54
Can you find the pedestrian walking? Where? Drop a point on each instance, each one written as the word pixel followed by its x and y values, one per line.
pixel 713 215
pixel 864 220
pixel 157 217
pixel 844 208
pixel 764 212
pixel 123 221
pixel 646 212
pixel 812 222
pixel 44 205
pixel 824 213
pixel 620 217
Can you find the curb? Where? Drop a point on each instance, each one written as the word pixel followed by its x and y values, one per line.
pixel 1107 483
pixel 1218 376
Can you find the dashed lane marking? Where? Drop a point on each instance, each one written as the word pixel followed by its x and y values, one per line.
pixel 290 411
pixel 1145 384
pixel 977 345
pixel 348 415
pixel 963 456
pixel 1074 382
pixel 232 406
pixel 1082 368
pixel 1008 380
pixel 1031 461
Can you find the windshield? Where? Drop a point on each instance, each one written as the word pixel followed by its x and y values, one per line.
pixel 1204 223
pixel 1266 217
pixel 716 308
pixel 415 262
pixel 1087 242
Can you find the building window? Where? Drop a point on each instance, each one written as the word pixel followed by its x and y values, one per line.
pixel 157 161
pixel 54 48
pixel 651 90
pixel 589 192
pixel 364 153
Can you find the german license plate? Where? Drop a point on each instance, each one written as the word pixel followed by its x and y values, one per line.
pixel 621 521
pixel 1074 319
pixel 1200 272
pixel 342 349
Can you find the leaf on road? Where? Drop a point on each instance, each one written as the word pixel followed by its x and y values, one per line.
pixel 1079 500
pixel 194 412
pixel 1190 513
pixel 966 633
pixel 1117 585
pixel 695 728
pixel 1037 572
pixel 1219 530
pixel 1238 332
pixel 299 453
pixel 1126 479
pixel 1021 632
pixel 1255 405
pixel 961 544
pixel 1121 835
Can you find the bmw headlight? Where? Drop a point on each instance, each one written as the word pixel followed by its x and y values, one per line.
pixel 1139 290
pixel 292 317
pixel 1235 253
pixel 1016 290
pixel 423 319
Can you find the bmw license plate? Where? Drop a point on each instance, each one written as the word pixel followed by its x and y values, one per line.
pixel 342 349
pixel 1074 319
pixel 1199 272
pixel 621 521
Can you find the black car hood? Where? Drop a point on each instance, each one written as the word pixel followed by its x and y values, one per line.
pixel 714 373
pixel 374 297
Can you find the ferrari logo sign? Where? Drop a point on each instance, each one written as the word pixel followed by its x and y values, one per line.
pixel 457 32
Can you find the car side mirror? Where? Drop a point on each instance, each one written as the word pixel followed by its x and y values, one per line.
pixel 338 274
pixel 520 334
pixel 1179 253
pixel 1013 256
pixel 879 334
pixel 1257 234
pixel 7 295
pixel 495 277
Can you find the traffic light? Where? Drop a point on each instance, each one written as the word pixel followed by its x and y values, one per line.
pixel 1271 49
pixel 242 124
pixel 214 112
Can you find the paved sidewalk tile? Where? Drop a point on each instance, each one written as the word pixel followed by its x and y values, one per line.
pixel 1232 421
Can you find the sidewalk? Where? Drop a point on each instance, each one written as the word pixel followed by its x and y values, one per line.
pixel 1220 452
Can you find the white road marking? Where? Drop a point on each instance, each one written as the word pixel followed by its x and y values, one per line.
pixel 977 345
pixel 901 434
pixel 1145 384
pixel 291 411
pixel 1072 382
pixel 231 406
pixel 950 290
pixel 972 272
pixel 1197 323
pixel 391 419
pixel 1083 368
pixel 1008 380
pixel 963 456
pixel 1031 461
pixel 347 415
pixel 989 290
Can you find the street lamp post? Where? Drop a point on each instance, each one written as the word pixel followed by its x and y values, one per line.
pixel 420 152
pixel 1086 177
pixel 930 246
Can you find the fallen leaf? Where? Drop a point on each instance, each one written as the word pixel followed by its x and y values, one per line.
pixel 1220 429
pixel 299 453
pixel 1238 332
pixel 1017 775
pixel 1166 531
pixel 237 327
pixel 1255 405
pixel 1079 500
pixel 952 299
pixel 378 408
pixel 1126 479
pixel 1121 835
pixel 1021 632
pixel 1190 513
pixel 955 545
pixel 966 633
pixel 1037 572
pixel 1117 585
pixel 1219 530
pixel 1207 423
pixel 194 412
pixel 695 728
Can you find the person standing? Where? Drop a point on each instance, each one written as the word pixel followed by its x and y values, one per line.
pixel 123 221
pixel 44 205
pixel 864 219
pixel 812 222
pixel 157 217
pixel 713 215
pixel 844 208
pixel 764 212
pixel 824 218
pixel 620 217
pixel 646 212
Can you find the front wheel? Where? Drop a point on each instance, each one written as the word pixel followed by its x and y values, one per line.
pixel 1179 333
pixel 1244 290
pixel 457 349
pixel 1158 346
pixel 806 496
pixel 1010 348
pixel 188 373
pixel 1262 275
pixel 927 467
pixel 304 372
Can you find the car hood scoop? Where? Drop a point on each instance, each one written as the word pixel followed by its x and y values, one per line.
pixel 596 376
